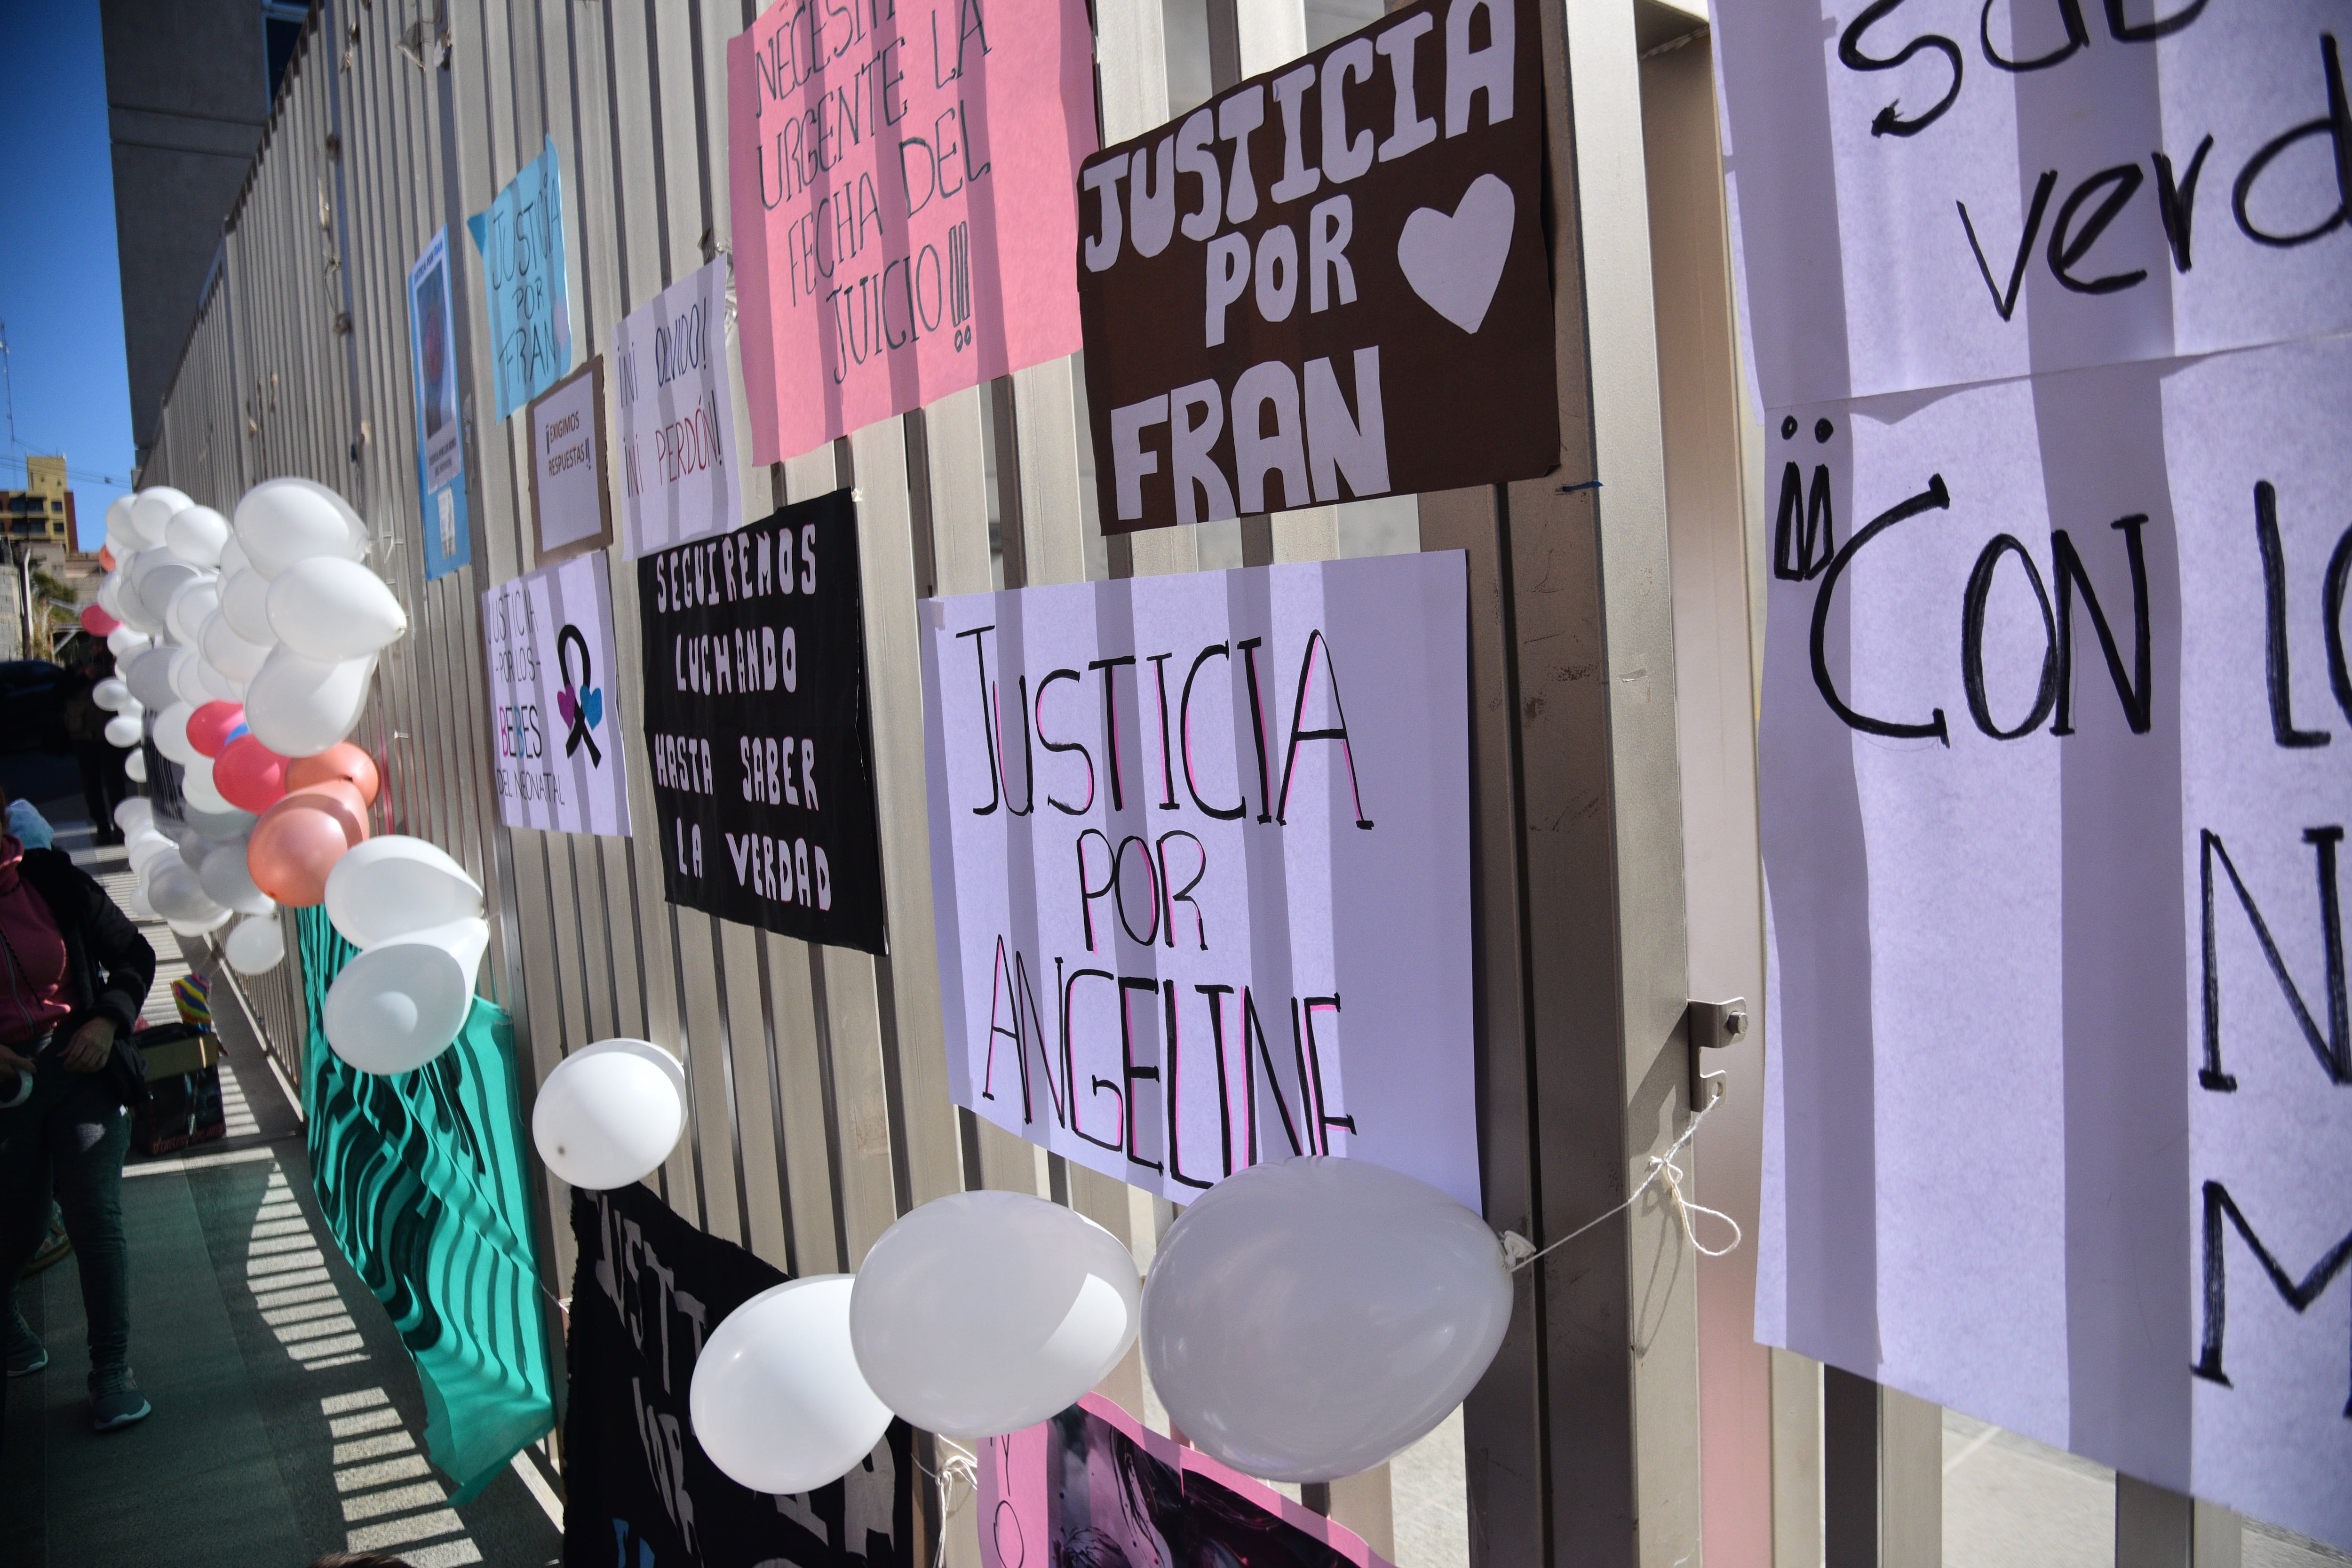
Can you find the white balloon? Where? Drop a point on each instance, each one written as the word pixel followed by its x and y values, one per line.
pixel 778 1402
pixel 119 525
pixel 610 1113
pixel 172 734
pixel 125 640
pixel 217 687
pixel 330 609
pixel 160 576
pixel 280 522
pixel 188 678
pixel 232 558
pixel 984 1312
pixel 149 676
pixel 110 694
pixel 192 602
pixel 244 602
pixel 133 812
pixel 143 843
pixel 385 887
pixel 227 652
pixel 229 826
pixel 395 1008
pixel 227 881
pixel 196 536
pixel 1307 1320
pixel 210 922
pixel 135 767
pixel 299 707
pixel 172 888
pixel 125 607
pixel 203 797
pixel 256 944
pixel 134 902
pixel 121 730
pixel 109 592
pixel 152 509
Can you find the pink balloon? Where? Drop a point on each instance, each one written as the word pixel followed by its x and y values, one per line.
pixel 341 761
pixel 250 775
pixel 106 558
pixel 340 799
pixel 210 727
pixel 292 852
pixel 96 621
pixel 297 841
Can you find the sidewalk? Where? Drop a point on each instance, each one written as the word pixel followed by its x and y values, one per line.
pixel 287 1421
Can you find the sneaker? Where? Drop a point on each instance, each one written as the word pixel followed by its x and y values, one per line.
pixel 26 1357
pixel 118 1407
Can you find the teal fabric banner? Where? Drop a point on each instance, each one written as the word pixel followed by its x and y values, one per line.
pixel 423 1180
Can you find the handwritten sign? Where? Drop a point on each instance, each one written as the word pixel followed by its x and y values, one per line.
pixel 1328 282
pixel 1950 191
pixel 1092 1484
pixel 2053 795
pixel 520 238
pixel 440 429
pixel 680 478
pixel 568 493
pixel 1200 862
pixel 548 637
pixel 758 728
pixel 900 178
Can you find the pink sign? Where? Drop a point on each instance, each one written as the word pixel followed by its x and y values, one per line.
pixel 902 174
pixel 1092 1486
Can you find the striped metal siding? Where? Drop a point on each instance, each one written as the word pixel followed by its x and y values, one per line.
pixel 817 1077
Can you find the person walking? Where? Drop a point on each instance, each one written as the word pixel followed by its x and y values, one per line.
pixel 103 782
pixel 74 973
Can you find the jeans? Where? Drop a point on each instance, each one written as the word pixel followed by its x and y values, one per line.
pixel 103 784
pixel 69 1138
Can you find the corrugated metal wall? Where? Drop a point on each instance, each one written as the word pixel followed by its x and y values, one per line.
pixel 817 1076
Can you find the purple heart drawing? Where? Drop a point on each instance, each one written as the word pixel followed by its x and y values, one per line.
pixel 566 706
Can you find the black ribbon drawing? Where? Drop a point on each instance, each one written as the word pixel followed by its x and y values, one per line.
pixel 565 641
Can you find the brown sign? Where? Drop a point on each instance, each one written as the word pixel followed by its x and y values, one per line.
pixel 569 497
pixel 1328 282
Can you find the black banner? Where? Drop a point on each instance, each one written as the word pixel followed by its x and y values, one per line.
pixel 757 729
pixel 639 1491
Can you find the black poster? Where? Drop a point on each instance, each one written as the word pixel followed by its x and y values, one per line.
pixel 1329 282
pixel 757 729
pixel 639 1492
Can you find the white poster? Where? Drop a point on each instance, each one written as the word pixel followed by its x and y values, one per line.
pixel 2056 761
pixel 678 472
pixel 1937 191
pixel 1200 865
pixel 549 638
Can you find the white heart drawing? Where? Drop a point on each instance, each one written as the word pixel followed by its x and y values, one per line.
pixel 1453 263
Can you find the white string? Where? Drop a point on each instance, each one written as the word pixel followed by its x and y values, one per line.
pixel 961 1466
pixel 1523 1252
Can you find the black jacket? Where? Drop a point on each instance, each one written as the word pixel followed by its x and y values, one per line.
pixel 108 966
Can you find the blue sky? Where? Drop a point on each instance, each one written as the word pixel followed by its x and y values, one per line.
pixel 61 292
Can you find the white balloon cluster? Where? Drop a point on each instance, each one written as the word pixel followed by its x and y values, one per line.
pixel 274 612
pixel 415 915
pixel 1304 1320
pixel 268 626
pixel 191 871
pixel 974 1315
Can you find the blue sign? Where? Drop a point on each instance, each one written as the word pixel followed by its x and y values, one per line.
pixel 440 430
pixel 520 237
